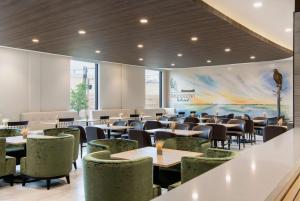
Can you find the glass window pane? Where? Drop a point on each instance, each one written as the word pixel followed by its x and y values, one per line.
pixel 152 84
pixel 84 72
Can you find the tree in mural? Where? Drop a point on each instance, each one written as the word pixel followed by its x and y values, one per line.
pixel 79 99
pixel 277 76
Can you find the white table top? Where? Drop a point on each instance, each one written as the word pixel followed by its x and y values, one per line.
pixel 258 173
pixel 17 140
pixel 167 122
pixel 170 157
pixel 178 132
pixel 111 127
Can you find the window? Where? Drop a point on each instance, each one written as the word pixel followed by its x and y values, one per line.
pixel 153 89
pixel 86 73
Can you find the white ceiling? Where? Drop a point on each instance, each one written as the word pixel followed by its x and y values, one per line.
pixel 270 20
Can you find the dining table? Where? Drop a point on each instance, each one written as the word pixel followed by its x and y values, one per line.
pixel 111 127
pixel 178 132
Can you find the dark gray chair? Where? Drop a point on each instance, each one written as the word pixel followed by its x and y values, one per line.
pixel 152 125
pixel 272 131
pixel 207 130
pixel 83 139
pixel 218 134
pixel 237 131
pixel 259 127
pixel 191 120
pixel 143 138
pixel 94 133
pixel 182 126
pixel 163 135
pixel 249 129
pixel 136 124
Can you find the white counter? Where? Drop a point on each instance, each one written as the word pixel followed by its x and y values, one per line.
pixel 256 174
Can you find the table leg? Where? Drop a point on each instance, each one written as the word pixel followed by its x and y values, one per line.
pixel 108 133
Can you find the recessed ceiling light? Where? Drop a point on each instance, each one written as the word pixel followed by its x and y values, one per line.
pixel 35 40
pixel 194 38
pixel 288 30
pixel 257 4
pixel 208 61
pixel 143 20
pixel 252 57
pixel 81 31
pixel 179 54
pixel 97 51
pixel 172 64
pixel 227 50
pixel 140 45
pixel 141 59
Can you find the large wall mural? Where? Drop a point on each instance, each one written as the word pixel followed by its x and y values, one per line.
pixel 240 89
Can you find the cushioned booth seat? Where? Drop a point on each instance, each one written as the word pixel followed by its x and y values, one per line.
pixel 106 179
pixel 72 131
pixel 187 144
pixel 192 167
pixel 7 164
pixel 113 145
pixel 48 157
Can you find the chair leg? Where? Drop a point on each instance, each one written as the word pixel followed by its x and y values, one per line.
pixel 68 179
pixel 11 180
pixel 48 183
pixel 222 142
pixel 81 150
pixel 75 165
pixel 239 142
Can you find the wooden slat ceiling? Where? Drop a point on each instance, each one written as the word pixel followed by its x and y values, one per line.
pixel 113 27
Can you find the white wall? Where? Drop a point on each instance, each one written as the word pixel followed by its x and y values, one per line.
pixel 121 86
pixel 32 82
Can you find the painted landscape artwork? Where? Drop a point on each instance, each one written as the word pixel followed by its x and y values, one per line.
pixel 239 89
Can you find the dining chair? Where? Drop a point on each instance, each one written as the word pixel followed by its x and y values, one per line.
pixel 136 124
pixel 237 131
pixel 186 144
pixel 162 135
pixel 206 131
pixel 181 114
pixel 249 129
pixel 182 126
pixel 142 137
pixel 218 134
pixel 273 131
pixel 119 133
pixel 148 125
pixel 203 114
pixel 8 164
pixel 112 145
pixel 259 127
pixel 104 119
pixel 83 139
pixel 94 133
pixel 191 120
pixel 108 179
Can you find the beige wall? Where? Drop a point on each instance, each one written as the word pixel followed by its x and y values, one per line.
pixel 121 86
pixel 297 70
pixel 32 82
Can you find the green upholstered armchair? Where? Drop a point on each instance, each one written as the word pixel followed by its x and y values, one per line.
pixel 7 164
pixel 48 157
pixel 187 144
pixel 11 133
pixel 107 179
pixel 192 167
pixel 113 145
pixel 72 131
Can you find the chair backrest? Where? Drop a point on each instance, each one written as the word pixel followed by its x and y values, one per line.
pixel 82 133
pixel 134 116
pixel 273 131
pixel 173 119
pixel 240 127
pixel 94 133
pixel 211 121
pixel 2 151
pixel 124 180
pixel 152 125
pixel 191 120
pixel 162 135
pixel 182 126
pixel 186 144
pixel 247 117
pixel 230 116
pixel 113 145
pixel 120 123
pixel 136 124
pixel 249 126
pixel 72 131
pixel 159 114
pixel 17 124
pixel 142 137
pixel 218 131
pixel 190 125
pixel 264 123
pixel 9 132
pixel 65 122
pixel 192 167
pixel 272 121
pixel 49 156
pixel 203 114
pixel 207 130
pixel 181 114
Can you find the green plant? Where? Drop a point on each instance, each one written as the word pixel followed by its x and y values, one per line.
pixel 79 99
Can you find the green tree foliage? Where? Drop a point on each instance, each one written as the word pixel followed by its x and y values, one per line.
pixel 79 99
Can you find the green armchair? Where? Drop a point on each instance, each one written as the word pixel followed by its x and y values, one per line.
pixel 48 157
pixel 112 145
pixel 72 131
pixel 107 179
pixel 192 167
pixel 187 144
pixel 7 163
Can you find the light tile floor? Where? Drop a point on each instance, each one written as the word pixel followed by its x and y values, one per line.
pixel 60 190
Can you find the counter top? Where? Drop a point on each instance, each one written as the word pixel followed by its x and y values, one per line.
pixel 258 173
